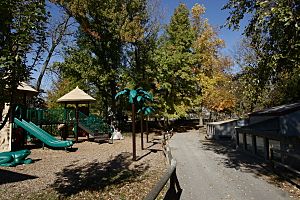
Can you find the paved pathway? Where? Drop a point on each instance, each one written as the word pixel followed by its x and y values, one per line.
pixel 211 172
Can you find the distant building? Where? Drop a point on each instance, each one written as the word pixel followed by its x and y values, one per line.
pixel 221 129
pixel 277 128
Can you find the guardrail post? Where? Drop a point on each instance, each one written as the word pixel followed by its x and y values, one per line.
pixel 174 190
pixel 175 181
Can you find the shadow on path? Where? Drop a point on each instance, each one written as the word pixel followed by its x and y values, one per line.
pixel 232 158
pixel 11 177
pixel 172 194
pixel 96 176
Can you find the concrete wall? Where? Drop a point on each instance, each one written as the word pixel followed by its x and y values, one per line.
pixel 5 134
pixel 216 130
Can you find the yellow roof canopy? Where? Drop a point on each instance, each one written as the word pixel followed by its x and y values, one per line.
pixel 24 87
pixel 76 96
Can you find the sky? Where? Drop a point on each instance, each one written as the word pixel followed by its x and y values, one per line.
pixel 214 13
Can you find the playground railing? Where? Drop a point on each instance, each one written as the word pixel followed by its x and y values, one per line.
pixel 94 123
pixel 50 116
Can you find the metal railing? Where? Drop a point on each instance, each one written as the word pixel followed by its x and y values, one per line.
pixel 174 190
pixel 50 116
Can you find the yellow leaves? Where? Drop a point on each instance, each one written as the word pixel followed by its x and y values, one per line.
pixel 198 10
pixel 216 90
pixel 219 99
pixel 132 30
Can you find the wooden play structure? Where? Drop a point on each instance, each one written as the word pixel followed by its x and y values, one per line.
pixel 9 135
pixel 35 122
pixel 75 121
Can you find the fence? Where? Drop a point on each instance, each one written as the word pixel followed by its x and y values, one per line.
pixel 174 190
pixel 285 157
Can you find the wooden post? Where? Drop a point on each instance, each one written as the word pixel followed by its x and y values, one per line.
pixel 147 129
pixel 237 142
pixel 142 132
pixel 65 131
pixel 266 148
pixel 76 124
pixel 244 141
pixel 133 134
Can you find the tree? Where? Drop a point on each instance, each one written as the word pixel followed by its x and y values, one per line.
pixel 174 80
pixel 249 96
pixel 136 99
pixel 211 67
pixel 57 34
pixel 22 26
pixel 273 32
pixel 107 32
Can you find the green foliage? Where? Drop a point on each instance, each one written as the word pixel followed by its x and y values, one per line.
pixel 174 57
pixel 190 67
pixel 117 48
pixel 273 32
pixel 113 46
pixel 21 27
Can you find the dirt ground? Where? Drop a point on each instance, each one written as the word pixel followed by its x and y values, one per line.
pixel 89 171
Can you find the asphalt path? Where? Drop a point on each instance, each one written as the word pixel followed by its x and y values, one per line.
pixel 211 172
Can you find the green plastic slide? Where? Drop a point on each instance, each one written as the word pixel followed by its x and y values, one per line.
pixel 11 159
pixel 42 135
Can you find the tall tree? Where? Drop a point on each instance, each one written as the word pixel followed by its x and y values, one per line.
pixel 174 81
pixel 249 96
pixel 191 70
pixel 211 67
pixel 22 25
pixel 58 34
pixel 113 40
pixel 274 32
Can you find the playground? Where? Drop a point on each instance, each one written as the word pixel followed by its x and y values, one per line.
pixel 92 171
pixel 70 153
pixel 30 124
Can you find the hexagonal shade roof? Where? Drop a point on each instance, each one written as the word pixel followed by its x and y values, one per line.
pixel 76 96
pixel 24 87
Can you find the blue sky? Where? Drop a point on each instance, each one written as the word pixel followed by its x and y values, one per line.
pixel 215 16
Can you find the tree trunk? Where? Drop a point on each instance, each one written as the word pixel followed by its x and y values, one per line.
pixel 147 129
pixel 142 132
pixel 133 134
pixel 44 68
pixel 113 88
pixel 61 29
